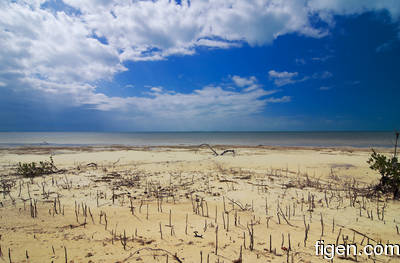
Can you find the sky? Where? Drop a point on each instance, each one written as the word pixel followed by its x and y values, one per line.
pixel 199 65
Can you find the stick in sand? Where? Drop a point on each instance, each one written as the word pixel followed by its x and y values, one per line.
pixel 216 240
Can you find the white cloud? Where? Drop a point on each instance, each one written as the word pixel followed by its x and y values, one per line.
pixel 208 101
pixel 64 47
pixel 242 82
pixel 282 75
pixel 284 78
pixel 279 100
pixel 249 84
pixel 251 87
pixel 216 43
pixel 147 30
pixel 348 7
pixel 64 53
pixel 156 89
pixel 55 47
pixel 212 101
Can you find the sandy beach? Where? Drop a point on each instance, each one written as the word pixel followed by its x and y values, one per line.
pixel 208 131
pixel 183 204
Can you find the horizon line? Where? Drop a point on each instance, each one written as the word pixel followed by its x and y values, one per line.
pixel 201 131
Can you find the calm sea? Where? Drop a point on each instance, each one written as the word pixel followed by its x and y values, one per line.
pixel 319 139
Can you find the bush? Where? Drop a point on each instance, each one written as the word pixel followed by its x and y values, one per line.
pixel 389 169
pixel 33 169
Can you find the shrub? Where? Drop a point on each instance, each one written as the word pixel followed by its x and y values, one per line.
pixel 389 169
pixel 34 169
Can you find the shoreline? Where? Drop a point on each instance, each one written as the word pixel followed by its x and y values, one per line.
pixel 356 139
pixel 119 147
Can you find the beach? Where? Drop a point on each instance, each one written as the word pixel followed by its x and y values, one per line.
pixel 199 131
pixel 185 204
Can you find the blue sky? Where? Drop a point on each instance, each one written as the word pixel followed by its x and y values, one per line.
pixel 199 66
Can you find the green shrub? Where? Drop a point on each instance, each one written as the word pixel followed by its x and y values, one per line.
pixel 34 169
pixel 389 169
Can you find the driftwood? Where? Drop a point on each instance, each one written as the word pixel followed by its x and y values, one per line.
pixel 215 152
pixel 228 151
pixel 205 144
pixel 362 234
pixel 154 250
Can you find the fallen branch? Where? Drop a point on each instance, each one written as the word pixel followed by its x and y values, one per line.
pixel 228 151
pixel 362 234
pixel 238 204
pixel 154 250
pixel 215 152
pixel 205 144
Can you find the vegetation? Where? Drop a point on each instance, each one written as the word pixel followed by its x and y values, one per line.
pixel 34 169
pixel 389 169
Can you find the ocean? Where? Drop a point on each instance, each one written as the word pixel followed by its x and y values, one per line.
pixel 314 139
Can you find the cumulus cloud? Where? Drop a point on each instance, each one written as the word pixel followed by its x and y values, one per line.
pixel 207 103
pixel 147 30
pixel 50 49
pixel 241 82
pixel 38 46
pixel 62 52
pixel 212 101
